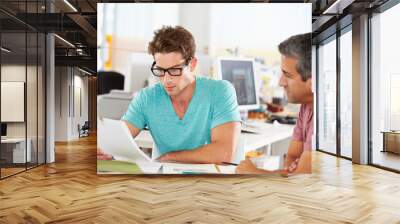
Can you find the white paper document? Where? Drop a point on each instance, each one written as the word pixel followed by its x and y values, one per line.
pixel 227 169
pixel 267 162
pixel 179 168
pixel 115 139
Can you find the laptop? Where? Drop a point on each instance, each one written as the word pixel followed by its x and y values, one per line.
pixel 114 138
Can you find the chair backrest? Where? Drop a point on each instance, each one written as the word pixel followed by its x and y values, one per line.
pixel 113 105
pixel 86 125
pixel 108 80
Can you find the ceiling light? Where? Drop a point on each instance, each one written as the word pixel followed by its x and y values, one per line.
pixel 70 5
pixel 5 50
pixel 79 51
pixel 86 72
pixel 338 6
pixel 64 40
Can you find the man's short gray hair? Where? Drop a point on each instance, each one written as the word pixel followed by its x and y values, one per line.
pixel 299 47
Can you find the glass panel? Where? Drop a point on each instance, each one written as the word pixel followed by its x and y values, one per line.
pixel 385 86
pixel 41 110
pixel 22 76
pixel 31 85
pixel 41 99
pixel 327 97
pixel 13 87
pixel 346 94
pixel 31 100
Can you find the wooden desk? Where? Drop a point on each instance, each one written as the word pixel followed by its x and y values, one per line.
pixel 13 150
pixel 391 141
pixel 269 135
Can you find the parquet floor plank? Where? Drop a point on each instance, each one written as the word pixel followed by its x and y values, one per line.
pixel 70 191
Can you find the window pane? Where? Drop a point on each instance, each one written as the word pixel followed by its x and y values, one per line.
pixel 385 85
pixel 327 97
pixel 13 87
pixel 22 79
pixel 31 97
pixel 41 98
pixel 346 94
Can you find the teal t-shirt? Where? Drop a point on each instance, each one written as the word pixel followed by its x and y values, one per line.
pixel 213 103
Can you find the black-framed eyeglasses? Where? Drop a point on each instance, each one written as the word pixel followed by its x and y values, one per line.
pixel 174 71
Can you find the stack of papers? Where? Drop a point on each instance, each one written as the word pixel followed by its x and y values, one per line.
pixel 125 167
pixel 227 169
pixel 267 162
pixel 117 167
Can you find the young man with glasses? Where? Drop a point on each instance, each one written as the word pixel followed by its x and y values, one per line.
pixel 192 119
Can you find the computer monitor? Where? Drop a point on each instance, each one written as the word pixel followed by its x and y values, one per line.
pixel 3 129
pixel 241 73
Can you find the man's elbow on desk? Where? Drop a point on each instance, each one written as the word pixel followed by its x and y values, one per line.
pixel 224 140
pixel 224 152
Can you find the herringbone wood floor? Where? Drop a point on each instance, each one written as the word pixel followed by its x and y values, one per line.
pixel 69 191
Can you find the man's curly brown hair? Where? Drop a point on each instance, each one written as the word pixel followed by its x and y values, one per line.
pixel 173 39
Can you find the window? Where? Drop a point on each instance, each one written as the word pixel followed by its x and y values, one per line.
pixel 385 88
pixel 23 76
pixel 346 94
pixel 327 96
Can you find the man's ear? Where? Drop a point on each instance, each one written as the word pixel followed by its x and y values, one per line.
pixel 309 82
pixel 193 64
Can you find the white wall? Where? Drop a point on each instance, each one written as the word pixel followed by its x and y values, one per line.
pixel 12 101
pixel 79 117
pixel 196 18
pixel 61 103
pixel 131 37
pixel 256 29
pixel 33 126
pixel 67 115
pixel 17 73
pixel 14 73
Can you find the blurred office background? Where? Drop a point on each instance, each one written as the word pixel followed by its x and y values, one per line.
pixel 220 30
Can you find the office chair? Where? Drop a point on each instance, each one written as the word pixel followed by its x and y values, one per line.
pixel 84 130
pixel 108 80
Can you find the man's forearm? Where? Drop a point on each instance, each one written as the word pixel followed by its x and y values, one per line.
pixel 294 152
pixel 261 171
pixel 211 153
pixel 304 165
